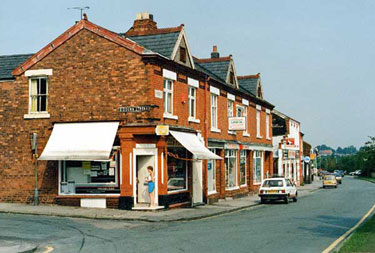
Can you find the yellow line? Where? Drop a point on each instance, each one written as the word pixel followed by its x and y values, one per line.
pixel 341 238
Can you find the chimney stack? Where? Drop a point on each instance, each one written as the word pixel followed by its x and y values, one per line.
pixel 215 53
pixel 144 22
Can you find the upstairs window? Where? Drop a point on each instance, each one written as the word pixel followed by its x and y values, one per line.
pixel 231 77
pixel 258 124
pixel 192 102
pixel 38 95
pixel 230 108
pixel 268 126
pixel 168 96
pixel 183 54
pixel 213 111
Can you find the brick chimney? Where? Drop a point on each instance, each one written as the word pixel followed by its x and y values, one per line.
pixel 144 22
pixel 215 53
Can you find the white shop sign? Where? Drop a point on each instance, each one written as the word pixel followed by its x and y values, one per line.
pixel 237 123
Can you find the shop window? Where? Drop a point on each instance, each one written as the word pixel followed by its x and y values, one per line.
pixel 85 177
pixel 177 169
pixel 214 111
pixel 257 167
pixel 243 167
pixel 38 95
pixel 230 168
pixel 192 102
pixel 211 174
pixel 168 96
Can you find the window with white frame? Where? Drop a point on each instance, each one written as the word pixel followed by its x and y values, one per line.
pixel 242 112
pixel 192 102
pixel 258 124
pixel 38 95
pixel 243 165
pixel 257 167
pixel 211 174
pixel 230 168
pixel 268 126
pixel 214 111
pixel 168 96
pixel 230 108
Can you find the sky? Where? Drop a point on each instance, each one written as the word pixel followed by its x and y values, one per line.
pixel 316 57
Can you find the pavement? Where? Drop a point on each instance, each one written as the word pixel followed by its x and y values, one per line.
pixel 178 214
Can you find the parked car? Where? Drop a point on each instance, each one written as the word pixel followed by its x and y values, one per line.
pixel 277 189
pixel 338 177
pixel 329 181
pixel 355 173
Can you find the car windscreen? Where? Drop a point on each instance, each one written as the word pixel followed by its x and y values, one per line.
pixel 273 183
pixel 329 177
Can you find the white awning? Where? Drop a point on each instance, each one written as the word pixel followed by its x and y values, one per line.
pixel 192 143
pixel 80 141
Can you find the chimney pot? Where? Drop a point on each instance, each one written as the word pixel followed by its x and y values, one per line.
pixel 215 53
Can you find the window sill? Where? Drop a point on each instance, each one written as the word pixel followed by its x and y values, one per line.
pixel 246 134
pixel 232 188
pixel 259 137
pixel 269 139
pixel 243 185
pixel 257 183
pixel 37 116
pixel 211 193
pixel 170 116
pixel 194 120
pixel 215 130
pixel 232 132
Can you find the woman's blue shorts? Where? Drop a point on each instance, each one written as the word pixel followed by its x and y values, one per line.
pixel 151 186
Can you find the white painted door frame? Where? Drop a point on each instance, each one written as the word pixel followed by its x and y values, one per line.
pixel 145 151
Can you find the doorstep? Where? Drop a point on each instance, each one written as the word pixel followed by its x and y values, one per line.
pixel 146 207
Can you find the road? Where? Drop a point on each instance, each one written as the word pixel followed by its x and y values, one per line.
pixel 310 225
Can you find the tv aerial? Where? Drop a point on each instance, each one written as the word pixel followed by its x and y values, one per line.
pixel 80 8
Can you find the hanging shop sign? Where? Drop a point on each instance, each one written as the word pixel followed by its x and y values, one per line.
pixel 237 123
pixel 290 141
pixel 162 130
pixel 312 156
pixel 306 159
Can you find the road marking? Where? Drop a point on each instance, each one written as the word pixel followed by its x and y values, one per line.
pixel 344 236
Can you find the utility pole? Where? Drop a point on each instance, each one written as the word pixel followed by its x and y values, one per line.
pixel 80 8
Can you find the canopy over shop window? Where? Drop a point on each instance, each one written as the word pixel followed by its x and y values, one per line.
pixel 80 141
pixel 194 145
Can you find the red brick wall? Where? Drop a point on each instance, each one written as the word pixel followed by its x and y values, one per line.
pixel 91 78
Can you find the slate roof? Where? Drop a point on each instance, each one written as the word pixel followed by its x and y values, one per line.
pixel 160 43
pixel 249 84
pixel 218 67
pixel 10 62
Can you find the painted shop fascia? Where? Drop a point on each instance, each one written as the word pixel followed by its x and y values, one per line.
pixel 104 106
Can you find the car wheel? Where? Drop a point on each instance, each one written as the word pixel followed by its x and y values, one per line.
pixel 295 197
pixel 335 186
pixel 324 186
pixel 286 200
pixel 262 201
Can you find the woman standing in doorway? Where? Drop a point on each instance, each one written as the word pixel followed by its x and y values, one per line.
pixel 151 185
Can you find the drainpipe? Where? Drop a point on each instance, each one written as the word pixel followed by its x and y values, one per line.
pixel 34 145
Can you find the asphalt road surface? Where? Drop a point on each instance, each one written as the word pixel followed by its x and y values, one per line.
pixel 310 225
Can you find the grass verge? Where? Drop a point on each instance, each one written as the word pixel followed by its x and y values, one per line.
pixel 370 179
pixel 362 240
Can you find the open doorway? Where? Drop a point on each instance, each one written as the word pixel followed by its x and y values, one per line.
pixel 142 162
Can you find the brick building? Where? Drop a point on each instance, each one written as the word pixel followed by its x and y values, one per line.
pixel 102 106
pixel 288 147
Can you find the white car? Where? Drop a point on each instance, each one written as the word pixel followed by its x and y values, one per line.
pixel 277 189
